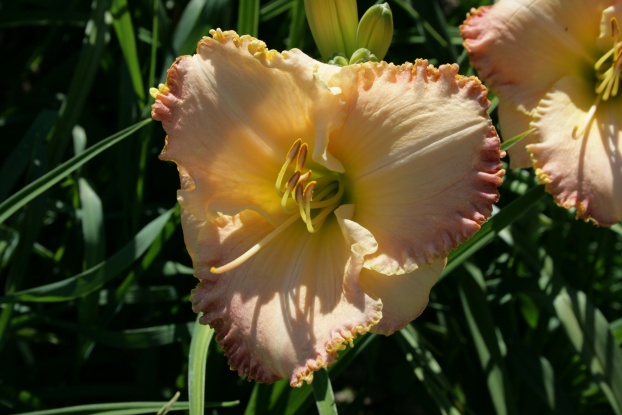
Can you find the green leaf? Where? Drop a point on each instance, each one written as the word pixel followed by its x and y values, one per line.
pixel 591 336
pixel 197 360
pixel 95 277
pixel 132 339
pixel 96 37
pixel 34 189
pixel 24 152
pixel 323 392
pixel 127 408
pixel 248 17
pixel 127 40
pixel 509 143
pixel 297 25
pixel 300 398
pixel 483 330
pixel 428 371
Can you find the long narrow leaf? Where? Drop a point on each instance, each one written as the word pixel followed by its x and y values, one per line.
pixel 197 360
pixel 248 17
pixel 323 392
pixel 95 277
pixel 482 328
pixel 589 332
pixel 125 34
pixel 34 189
pixel 136 407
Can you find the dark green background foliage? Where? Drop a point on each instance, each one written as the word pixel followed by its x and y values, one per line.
pixel 96 279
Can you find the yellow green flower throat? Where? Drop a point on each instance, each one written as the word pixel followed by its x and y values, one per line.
pixel 607 75
pixel 609 80
pixel 305 192
pixel 306 195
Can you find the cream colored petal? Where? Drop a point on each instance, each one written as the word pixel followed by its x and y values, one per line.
pixel 424 172
pixel 404 297
pixel 286 311
pixel 586 172
pixel 232 112
pixel 513 122
pixel 520 48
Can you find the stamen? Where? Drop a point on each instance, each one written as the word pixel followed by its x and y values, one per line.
pixel 327 199
pixel 608 83
pixel 308 196
pixel 256 248
pixel 305 177
pixel 291 185
pixel 301 203
pixel 291 156
pixel 302 157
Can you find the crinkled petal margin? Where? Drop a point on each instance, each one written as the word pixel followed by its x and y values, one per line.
pixel 288 310
pixel 583 172
pixel 520 48
pixel 232 111
pixel 425 171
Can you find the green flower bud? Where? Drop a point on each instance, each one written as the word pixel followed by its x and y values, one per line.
pixel 333 25
pixel 362 55
pixel 375 30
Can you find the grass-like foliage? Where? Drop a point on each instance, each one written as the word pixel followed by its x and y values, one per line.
pixel 94 311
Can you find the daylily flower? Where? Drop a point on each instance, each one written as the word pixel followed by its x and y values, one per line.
pixel 555 66
pixel 320 202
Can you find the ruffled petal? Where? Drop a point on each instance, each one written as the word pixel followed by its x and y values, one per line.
pixel 514 122
pixel 232 111
pixel 424 172
pixel 404 297
pixel 286 311
pixel 585 172
pixel 520 48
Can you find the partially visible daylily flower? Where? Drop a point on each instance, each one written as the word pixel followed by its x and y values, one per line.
pixel 555 65
pixel 320 202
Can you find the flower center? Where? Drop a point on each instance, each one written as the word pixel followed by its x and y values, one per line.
pixel 607 69
pixel 313 196
pixel 609 79
pixel 306 195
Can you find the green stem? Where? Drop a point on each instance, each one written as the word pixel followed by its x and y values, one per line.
pixel 323 391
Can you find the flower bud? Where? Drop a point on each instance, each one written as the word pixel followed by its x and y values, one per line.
pixel 362 55
pixel 375 30
pixel 333 25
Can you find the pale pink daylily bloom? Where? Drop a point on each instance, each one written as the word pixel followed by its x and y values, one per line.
pixel 555 66
pixel 320 202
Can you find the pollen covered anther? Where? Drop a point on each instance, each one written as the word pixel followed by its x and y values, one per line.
pixel 292 155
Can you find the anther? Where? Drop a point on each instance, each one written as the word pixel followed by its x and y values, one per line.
pixel 291 156
pixel 608 82
pixel 302 157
